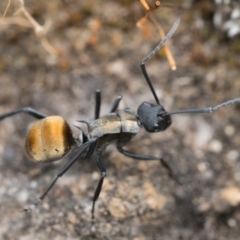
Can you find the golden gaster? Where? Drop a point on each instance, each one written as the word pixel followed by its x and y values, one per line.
pixel 49 139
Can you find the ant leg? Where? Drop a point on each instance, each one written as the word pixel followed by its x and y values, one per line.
pixel 113 107
pixel 89 147
pixel 97 192
pixel 97 103
pixel 138 156
pixel 115 104
pixel 143 157
pixel 27 110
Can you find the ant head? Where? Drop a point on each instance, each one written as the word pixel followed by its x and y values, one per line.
pixel 153 117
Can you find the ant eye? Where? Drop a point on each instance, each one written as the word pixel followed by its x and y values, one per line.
pixel 160 117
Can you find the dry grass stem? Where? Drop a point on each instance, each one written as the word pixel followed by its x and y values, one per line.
pixel 6 9
pixel 29 21
pixel 152 19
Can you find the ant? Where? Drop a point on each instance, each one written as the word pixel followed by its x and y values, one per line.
pixel 51 138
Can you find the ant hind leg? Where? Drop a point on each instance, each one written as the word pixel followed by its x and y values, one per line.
pixel 28 110
pixel 97 192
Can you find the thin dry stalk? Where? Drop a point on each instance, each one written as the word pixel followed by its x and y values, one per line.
pixel 29 21
pixel 6 9
pixel 152 19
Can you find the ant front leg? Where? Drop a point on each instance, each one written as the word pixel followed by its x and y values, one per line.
pixel 143 157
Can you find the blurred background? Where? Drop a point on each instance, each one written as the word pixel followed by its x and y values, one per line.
pixel 87 45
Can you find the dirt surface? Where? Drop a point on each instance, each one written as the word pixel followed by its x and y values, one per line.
pixel 100 47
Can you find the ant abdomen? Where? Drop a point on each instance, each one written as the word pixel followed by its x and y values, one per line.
pixel 49 139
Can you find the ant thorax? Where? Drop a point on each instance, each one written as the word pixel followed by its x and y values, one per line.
pixel 123 121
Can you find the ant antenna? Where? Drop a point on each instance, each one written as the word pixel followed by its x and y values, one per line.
pixel 204 110
pixel 152 53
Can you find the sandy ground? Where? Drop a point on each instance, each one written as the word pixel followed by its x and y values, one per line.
pixel 101 47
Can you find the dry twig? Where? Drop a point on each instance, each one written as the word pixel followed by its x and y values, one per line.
pixel 149 16
pixel 29 21
pixel 6 9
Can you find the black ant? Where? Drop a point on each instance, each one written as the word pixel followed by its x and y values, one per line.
pixel 51 138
